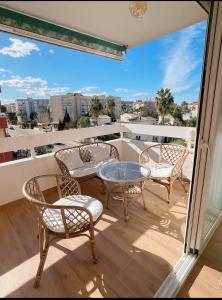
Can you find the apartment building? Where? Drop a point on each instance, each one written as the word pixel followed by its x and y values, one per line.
pixel 4 156
pixel 10 107
pixel 77 105
pixel 24 108
pixel 146 107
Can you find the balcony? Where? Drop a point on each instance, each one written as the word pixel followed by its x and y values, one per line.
pixel 128 252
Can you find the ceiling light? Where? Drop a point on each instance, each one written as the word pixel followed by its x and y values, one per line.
pixel 138 8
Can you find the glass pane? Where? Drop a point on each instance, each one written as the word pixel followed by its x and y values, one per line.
pixel 214 199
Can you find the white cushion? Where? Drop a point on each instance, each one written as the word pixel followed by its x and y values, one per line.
pixel 53 217
pixel 72 160
pixel 89 168
pixel 159 169
pixel 99 153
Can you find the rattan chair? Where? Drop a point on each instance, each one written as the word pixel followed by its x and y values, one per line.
pixel 70 216
pixel 165 162
pixel 82 161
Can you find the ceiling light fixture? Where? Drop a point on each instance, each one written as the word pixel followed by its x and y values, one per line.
pixel 138 8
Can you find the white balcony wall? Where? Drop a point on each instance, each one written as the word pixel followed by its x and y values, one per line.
pixel 133 148
pixel 13 174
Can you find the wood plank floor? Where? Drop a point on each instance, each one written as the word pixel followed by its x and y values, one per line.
pixel 206 277
pixel 134 257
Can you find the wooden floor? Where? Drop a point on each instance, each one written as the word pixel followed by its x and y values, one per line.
pixel 206 278
pixel 134 257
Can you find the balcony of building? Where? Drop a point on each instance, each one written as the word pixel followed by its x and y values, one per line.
pixel 128 252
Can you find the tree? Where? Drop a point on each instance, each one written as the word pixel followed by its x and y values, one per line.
pixel 111 104
pixel 49 112
pixel 12 117
pixel 33 115
pixel 43 149
pixel 176 112
pixel 163 102
pixel 66 118
pixel 184 106
pixel 191 122
pixel 150 109
pixel 83 122
pixel 95 107
pixel 60 125
pixel 3 109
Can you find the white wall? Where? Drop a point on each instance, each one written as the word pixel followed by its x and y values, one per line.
pixel 132 150
pixel 13 174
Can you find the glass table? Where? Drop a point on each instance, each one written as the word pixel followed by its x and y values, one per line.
pixel 128 176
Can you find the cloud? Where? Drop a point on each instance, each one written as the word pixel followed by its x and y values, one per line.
pixel 182 59
pixel 2 70
pixel 18 48
pixel 140 94
pixel 91 91
pixel 51 51
pixel 35 87
pixel 121 90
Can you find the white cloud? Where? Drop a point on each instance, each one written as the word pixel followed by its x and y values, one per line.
pixel 121 90
pixel 35 87
pixel 2 70
pixel 182 60
pixel 91 91
pixel 18 48
pixel 140 94
pixel 51 51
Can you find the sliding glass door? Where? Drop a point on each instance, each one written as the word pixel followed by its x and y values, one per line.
pixel 206 199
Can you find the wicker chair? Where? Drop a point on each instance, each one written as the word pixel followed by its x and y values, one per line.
pixel 83 162
pixel 165 162
pixel 70 216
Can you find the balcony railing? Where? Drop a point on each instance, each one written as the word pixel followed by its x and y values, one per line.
pixel 14 173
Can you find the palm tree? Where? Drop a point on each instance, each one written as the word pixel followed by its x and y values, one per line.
pixel 111 104
pixel 95 107
pixel 163 102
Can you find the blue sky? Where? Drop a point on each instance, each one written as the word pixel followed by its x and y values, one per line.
pixel 29 68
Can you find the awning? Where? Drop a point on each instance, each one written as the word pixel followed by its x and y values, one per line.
pixel 21 24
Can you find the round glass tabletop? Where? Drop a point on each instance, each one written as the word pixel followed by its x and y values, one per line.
pixel 124 172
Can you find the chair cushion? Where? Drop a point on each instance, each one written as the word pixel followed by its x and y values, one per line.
pixel 159 169
pixel 72 160
pixel 89 168
pixel 99 153
pixel 53 217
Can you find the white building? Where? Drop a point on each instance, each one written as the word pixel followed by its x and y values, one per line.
pixel 128 117
pixel 24 108
pixel 101 120
pixel 77 105
pixel 10 107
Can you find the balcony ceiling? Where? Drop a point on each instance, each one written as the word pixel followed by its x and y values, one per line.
pixel 111 20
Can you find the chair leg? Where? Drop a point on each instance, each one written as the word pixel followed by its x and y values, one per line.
pixel 181 181
pixel 93 246
pixel 125 207
pixel 103 185
pixel 169 192
pixel 43 247
pixel 144 202
pixel 142 196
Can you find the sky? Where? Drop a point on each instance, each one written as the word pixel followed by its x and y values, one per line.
pixel 29 68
